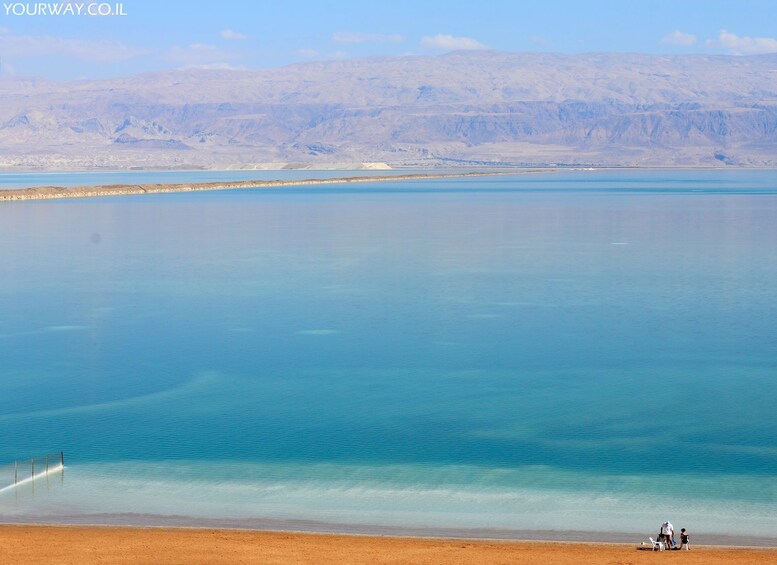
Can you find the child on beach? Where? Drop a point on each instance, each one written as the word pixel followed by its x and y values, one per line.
pixel 684 537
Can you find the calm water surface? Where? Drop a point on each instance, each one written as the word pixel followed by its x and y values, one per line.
pixel 580 350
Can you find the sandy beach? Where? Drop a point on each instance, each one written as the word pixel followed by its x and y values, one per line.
pixel 58 192
pixel 83 545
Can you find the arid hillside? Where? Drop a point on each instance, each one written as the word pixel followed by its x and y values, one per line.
pixel 463 108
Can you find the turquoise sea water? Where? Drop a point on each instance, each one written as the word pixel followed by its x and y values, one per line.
pixel 587 350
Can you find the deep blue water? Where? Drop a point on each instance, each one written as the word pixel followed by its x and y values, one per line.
pixel 543 350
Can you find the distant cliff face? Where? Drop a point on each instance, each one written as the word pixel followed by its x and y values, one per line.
pixel 461 108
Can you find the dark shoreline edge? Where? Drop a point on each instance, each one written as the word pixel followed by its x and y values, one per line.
pixel 58 192
pixel 316 527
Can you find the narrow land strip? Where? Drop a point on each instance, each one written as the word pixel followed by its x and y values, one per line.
pixel 55 192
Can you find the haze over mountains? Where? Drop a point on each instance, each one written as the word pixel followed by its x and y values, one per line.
pixel 464 108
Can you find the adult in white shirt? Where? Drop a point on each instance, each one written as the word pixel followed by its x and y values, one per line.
pixel 667 529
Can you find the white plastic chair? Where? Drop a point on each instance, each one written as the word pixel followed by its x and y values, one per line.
pixel 657 545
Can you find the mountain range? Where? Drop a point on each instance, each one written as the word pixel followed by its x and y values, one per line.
pixel 465 108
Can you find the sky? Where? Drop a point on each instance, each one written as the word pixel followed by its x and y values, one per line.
pixel 137 36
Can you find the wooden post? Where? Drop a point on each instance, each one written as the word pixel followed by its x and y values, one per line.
pixel 15 472
pixel 62 458
pixel 33 467
pixel 47 464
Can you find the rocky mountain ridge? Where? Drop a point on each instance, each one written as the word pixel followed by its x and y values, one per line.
pixel 468 108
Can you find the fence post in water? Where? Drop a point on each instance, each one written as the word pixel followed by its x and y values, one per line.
pixel 62 458
pixel 47 464
pixel 15 472
pixel 33 467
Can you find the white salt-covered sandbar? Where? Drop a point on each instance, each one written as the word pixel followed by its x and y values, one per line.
pixel 56 192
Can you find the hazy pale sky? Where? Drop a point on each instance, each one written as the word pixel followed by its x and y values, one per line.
pixel 149 35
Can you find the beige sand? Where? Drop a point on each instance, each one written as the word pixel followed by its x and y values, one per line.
pixel 79 545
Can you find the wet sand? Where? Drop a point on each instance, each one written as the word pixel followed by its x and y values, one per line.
pixel 57 192
pixel 87 545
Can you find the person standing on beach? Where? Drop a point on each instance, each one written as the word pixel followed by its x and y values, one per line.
pixel 684 537
pixel 667 533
